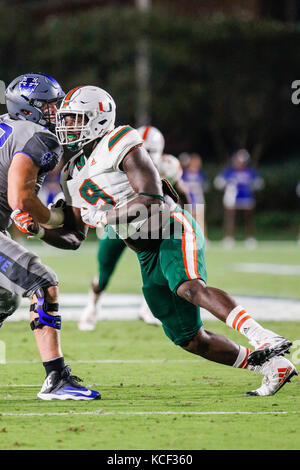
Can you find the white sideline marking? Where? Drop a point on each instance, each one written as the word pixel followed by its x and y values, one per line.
pixel 114 361
pixel 122 307
pixel 143 413
pixel 268 268
pixel 176 384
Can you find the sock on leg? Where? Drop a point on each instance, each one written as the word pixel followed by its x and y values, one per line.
pixel 241 321
pixel 56 364
pixel 241 360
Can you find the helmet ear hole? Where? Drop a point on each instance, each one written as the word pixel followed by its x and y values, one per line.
pixel 102 122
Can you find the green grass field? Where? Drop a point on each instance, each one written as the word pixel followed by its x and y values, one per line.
pixel 154 394
pixel 76 269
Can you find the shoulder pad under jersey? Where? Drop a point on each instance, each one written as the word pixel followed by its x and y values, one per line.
pixel 119 142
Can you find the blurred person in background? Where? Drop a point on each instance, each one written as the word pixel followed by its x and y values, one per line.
pixel 197 184
pixel 239 182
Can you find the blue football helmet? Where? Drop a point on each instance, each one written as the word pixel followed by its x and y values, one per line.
pixel 26 95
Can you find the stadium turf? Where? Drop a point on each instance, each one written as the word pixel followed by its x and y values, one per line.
pixel 154 395
pixel 226 269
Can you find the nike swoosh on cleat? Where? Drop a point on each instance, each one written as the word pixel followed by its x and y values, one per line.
pixel 87 393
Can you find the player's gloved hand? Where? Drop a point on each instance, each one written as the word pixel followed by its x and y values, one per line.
pixel 94 218
pixel 26 224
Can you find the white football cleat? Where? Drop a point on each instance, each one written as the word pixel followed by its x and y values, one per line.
pixel 88 319
pixel 277 372
pixel 146 315
pixel 268 347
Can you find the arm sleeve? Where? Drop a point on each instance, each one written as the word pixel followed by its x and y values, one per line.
pixel 44 150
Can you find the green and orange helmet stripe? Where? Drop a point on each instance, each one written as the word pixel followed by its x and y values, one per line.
pixel 70 94
pixel 146 131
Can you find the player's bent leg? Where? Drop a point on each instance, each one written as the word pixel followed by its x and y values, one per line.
pixel 9 302
pixel 267 344
pixel 277 372
pixel 25 276
pixel 214 347
pixel 146 315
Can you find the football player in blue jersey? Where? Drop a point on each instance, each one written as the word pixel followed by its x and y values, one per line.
pixel 28 151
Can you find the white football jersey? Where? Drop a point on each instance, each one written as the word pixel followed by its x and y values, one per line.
pixel 170 168
pixel 98 180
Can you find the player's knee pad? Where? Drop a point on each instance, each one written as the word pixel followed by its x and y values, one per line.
pixel 41 307
pixel 9 302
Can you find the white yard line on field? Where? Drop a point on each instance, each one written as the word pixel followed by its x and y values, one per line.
pixel 267 268
pixel 126 307
pixel 149 413
pixel 113 361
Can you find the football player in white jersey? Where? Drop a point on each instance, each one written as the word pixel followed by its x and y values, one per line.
pixel 120 186
pixel 111 246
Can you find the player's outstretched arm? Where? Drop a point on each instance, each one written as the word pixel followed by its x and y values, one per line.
pixel 21 194
pixel 22 197
pixel 71 234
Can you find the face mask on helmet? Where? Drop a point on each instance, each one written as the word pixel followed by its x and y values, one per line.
pixel 34 97
pixel 87 113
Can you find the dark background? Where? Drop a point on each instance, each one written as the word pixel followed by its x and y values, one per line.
pixel 213 76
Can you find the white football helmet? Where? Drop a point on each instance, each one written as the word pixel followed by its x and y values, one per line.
pixel 154 142
pixel 93 113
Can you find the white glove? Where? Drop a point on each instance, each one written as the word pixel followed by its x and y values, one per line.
pixel 56 218
pixel 94 218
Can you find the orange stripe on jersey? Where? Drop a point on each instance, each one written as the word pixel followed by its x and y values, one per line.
pixel 118 136
pixel 189 261
pixel 194 245
pixel 184 256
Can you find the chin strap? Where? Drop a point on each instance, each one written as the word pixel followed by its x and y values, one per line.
pixel 41 307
